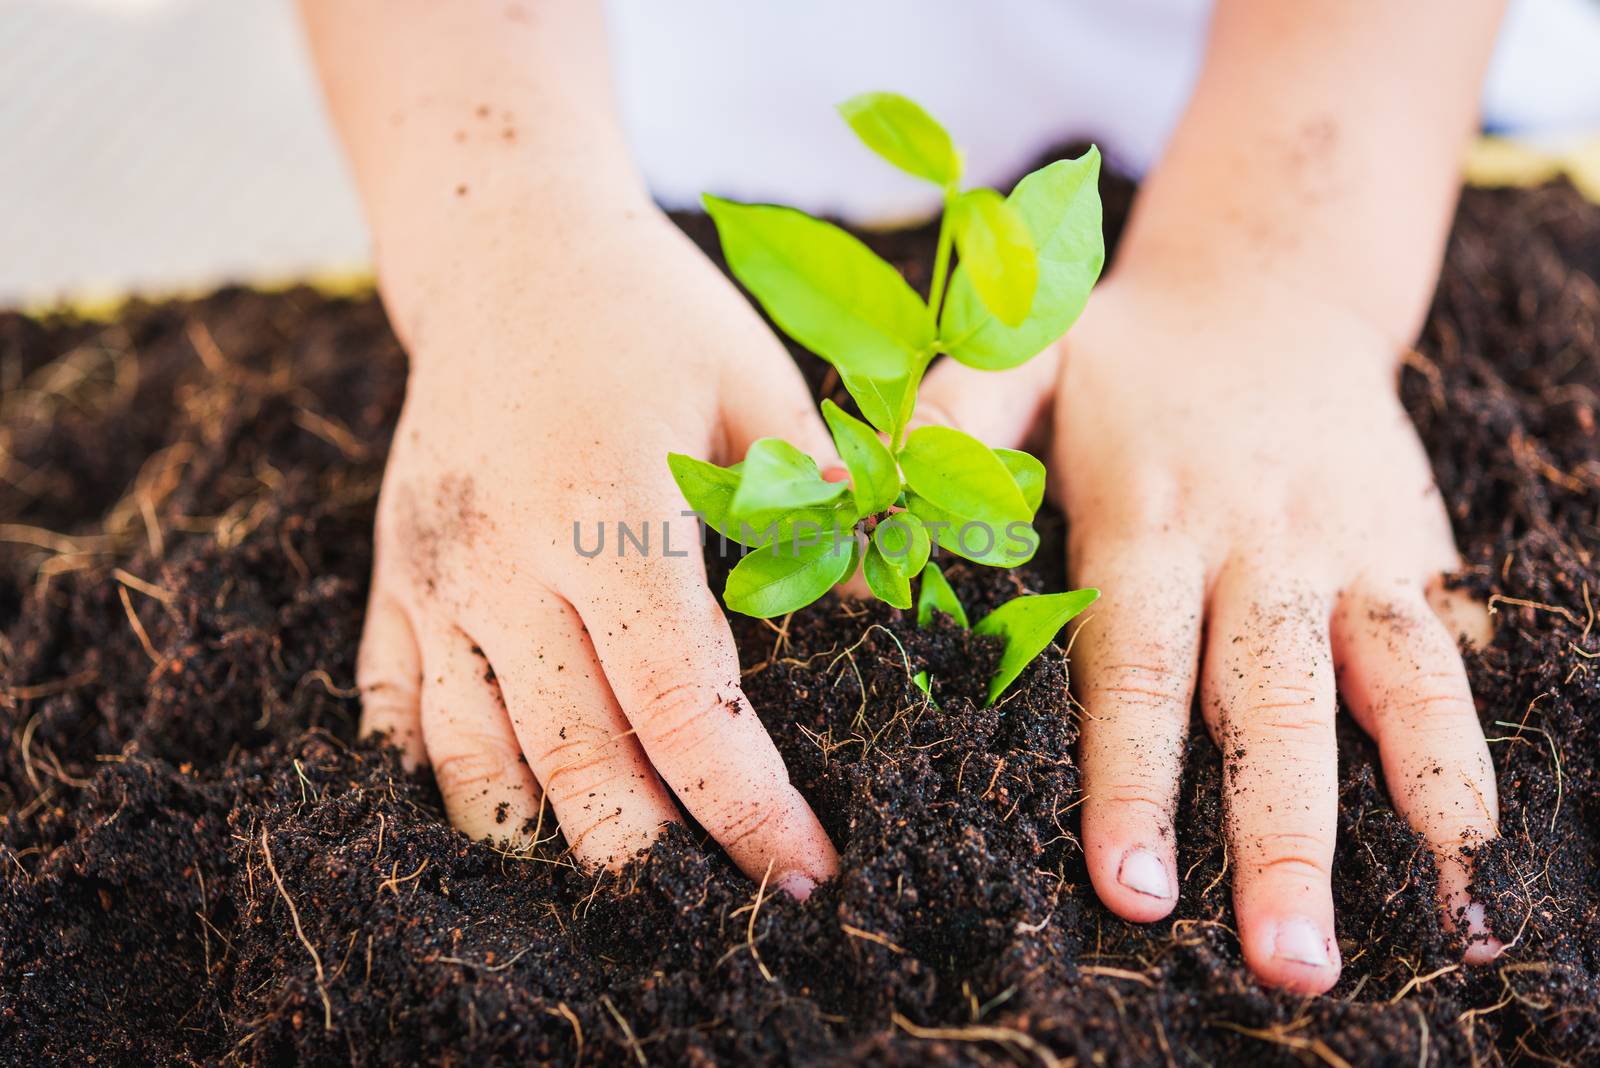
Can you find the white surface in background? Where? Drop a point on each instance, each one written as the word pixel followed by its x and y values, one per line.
pixel 737 99
pixel 160 143
pixel 1545 77
pixel 742 103
pixel 157 144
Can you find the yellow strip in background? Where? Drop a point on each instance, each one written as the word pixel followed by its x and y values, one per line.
pixel 1492 162
pixel 107 307
pixel 1498 161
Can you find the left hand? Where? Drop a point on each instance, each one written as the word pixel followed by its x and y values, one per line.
pixel 1244 486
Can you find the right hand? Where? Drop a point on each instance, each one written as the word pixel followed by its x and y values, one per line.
pixel 1240 478
pixel 544 395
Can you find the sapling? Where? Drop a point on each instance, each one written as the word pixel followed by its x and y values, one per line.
pixel 1010 276
pixel 1027 624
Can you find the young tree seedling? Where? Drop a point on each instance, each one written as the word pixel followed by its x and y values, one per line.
pixel 1027 624
pixel 1023 268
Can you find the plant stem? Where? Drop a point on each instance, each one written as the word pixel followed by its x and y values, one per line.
pixel 941 273
pixel 941 262
pixel 913 383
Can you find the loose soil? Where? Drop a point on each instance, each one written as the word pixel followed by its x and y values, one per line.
pixel 199 862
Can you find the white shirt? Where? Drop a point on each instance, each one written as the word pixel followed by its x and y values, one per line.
pixel 737 98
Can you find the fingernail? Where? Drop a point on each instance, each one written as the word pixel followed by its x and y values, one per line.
pixel 797 884
pixel 1301 941
pixel 1479 938
pixel 1143 873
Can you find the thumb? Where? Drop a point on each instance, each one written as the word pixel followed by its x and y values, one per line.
pixel 769 398
pixel 999 408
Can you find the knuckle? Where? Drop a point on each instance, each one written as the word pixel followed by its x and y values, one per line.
pixel 578 826
pixel 1145 683
pixel 1295 866
pixel 1309 725
pixel 483 764
pixel 1288 708
pixel 680 717
pixel 583 783
pixel 737 819
pixel 583 767
pixel 1144 797
pixel 1295 854
pixel 1434 710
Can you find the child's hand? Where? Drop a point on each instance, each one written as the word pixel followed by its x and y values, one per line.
pixel 1247 491
pixel 544 397
pixel 564 338
pixel 1242 483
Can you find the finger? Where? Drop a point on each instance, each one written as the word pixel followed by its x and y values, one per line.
pixel 1269 698
pixel 1404 681
pixel 487 788
pixel 608 800
pixel 1133 666
pixel 389 677
pixel 999 408
pixel 769 398
pixel 671 661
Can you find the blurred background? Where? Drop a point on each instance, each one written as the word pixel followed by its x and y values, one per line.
pixel 162 145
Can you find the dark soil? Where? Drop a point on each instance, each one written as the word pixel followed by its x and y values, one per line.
pixel 199 863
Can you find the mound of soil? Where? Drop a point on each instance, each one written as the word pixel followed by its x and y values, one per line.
pixel 199 862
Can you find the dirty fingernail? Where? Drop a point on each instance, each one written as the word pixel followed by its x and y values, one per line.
pixel 1482 945
pixel 1301 941
pixel 1143 873
pixel 797 884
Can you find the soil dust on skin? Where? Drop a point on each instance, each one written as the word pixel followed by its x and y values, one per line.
pixel 202 865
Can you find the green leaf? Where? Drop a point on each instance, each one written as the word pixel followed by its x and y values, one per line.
pixel 924 683
pixel 856 542
pixel 904 543
pixel 896 128
pixel 826 290
pixel 1061 206
pixel 709 489
pixel 962 475
pixel 886 402
pixel 778 477
pixel 768 583
pixel 886 583
pixel 1028 624
pixel 875 478
pixel 978 540
pixel 937 594
pixel 997 251
pixel 795 529
pixel 1028 473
